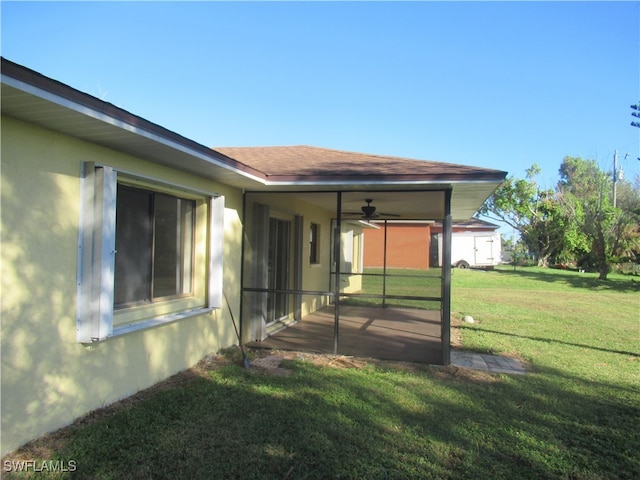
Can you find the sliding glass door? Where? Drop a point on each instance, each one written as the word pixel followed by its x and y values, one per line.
pixel 279 269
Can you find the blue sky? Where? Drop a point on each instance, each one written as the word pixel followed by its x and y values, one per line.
pixel 499 85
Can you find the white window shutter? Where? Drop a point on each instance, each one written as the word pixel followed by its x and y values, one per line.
pixel 96 254
pixel 216 251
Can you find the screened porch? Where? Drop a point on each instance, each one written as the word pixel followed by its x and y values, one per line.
pixel 305 285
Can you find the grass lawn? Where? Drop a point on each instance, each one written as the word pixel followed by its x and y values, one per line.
pixel 574 415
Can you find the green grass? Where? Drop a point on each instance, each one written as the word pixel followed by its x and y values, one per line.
pixel 416 283
pixel 575 415
pixel 555 319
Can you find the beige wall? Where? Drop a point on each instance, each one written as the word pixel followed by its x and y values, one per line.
pixel 48 378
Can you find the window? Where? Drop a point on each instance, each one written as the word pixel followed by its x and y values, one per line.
pixel 314 244
pixel 154 245
pixel 148 254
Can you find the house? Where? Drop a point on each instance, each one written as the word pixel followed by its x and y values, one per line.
pixel 418 244
pixel 122 243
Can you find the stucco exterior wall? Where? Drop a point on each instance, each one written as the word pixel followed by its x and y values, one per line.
pixel 48 378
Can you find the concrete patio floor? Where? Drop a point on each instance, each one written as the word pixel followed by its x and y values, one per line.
pixel 403 334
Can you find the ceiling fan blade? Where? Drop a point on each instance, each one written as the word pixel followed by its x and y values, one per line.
pixel 369 212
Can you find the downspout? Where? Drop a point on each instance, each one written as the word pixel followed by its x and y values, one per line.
pixel 446 280
pixel 338 257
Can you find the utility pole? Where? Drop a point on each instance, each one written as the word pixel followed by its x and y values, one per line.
pixel 615 177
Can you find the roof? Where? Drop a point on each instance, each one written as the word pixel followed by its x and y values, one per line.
pixel 476 224
pixel 32 97
pixel 292 163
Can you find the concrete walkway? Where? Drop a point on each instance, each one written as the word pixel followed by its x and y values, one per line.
pixel 489 363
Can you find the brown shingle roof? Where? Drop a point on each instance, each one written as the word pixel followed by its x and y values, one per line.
pixel 304 161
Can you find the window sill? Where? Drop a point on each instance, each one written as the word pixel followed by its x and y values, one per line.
pixel 157 322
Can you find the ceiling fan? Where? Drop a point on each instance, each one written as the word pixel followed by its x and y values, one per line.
pixel 368 211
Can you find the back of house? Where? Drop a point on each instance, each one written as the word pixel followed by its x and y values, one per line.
pixel 126 246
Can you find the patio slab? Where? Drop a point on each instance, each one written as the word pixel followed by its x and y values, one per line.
pixel 401 334
pixel 489 363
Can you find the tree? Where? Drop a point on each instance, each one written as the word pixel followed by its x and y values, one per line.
pixel 576 222
pixel 629 222
pixel 584 192
pixel 534 213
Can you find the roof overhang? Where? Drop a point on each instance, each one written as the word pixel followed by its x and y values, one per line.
pixel 410 188
pixel 34 98
pixel 28 96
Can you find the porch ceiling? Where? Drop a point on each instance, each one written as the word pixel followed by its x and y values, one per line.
pixel 392 205
pixel 426 204
pixel 416 203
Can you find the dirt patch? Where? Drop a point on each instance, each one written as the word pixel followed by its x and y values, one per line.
pixel 465 374
pixel 456 331
pixel 324 360
pixel 331 361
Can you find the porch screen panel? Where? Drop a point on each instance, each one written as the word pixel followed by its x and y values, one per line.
pixel 260 269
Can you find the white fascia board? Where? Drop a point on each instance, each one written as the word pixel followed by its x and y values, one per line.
pixel 334 183
pixel 115 122
pixel 445 184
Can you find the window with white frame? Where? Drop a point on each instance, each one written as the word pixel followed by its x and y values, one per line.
pixel 138 265
pixel 154 245
pixel 314 244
